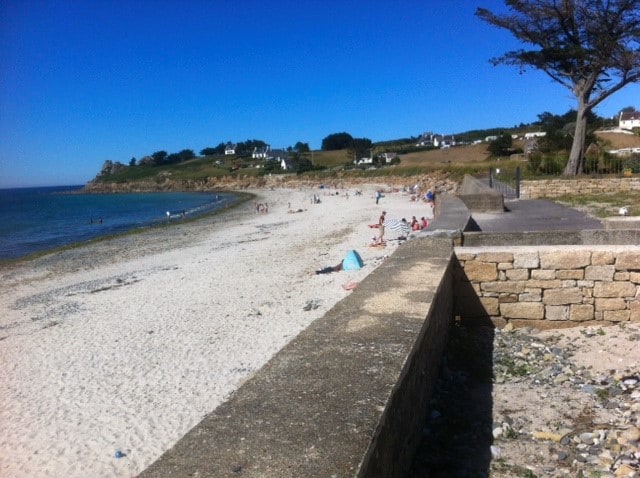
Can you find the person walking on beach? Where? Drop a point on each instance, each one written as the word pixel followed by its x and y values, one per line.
pixel 378 196
pixel 381 227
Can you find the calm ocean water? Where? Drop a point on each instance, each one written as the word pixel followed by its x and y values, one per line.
pixel 38 219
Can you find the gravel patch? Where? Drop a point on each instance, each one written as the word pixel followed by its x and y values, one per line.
pixel 529 403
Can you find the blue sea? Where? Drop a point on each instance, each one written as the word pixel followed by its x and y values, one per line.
pixel 43 218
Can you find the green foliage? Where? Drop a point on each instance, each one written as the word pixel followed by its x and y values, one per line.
pixel 301 147
pixel 554 165
pixel 602 394
pixel 159 157
pixel 302 165
pixel 245 148
pixel 501 146
pixel 218 150
pixel 360 148
pixel 534 162
pixel 588 47
pixel 633 163
pixel 337 141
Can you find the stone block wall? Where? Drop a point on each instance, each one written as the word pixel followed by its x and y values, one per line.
pixel 548 287
pixel 553 188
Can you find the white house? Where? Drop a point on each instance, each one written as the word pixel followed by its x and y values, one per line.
pixel 436 140
pixel 229 149
pixel 388 157
pixel 629 120
pixel 441 141
pixel 535 134
pixel 260 153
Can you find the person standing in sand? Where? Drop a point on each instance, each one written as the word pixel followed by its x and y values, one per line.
pixel 381 227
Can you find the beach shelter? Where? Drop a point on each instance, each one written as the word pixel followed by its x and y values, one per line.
pixel 352 261
pixel 402 227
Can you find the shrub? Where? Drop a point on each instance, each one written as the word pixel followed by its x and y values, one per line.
pixel 534 163
pixel 633 163
pixel 554 165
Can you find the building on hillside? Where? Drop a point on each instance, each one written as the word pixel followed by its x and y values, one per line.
pixel 230 149
pixel 444 141
pixel 535 134
pixel 388 157
pixel 425 139
pixel 629 120
pixel 436 140
pixel 364 161
pixel 277 155
pixel 261 153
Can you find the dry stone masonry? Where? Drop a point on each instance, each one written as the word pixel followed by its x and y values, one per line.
pixel 553 188
pixel 549 287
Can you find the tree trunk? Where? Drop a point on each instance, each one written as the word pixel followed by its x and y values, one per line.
pixel 576 157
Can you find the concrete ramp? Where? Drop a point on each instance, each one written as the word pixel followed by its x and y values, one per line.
pixel 478 197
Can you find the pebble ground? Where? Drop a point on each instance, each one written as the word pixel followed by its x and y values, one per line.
pixel 517 403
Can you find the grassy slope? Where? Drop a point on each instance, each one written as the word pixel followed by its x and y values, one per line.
pixel 458 160
pixel 619 141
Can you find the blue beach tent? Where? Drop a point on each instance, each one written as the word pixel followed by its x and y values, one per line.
pixel 352 261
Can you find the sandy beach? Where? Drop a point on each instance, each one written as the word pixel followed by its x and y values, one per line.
pixel 112 351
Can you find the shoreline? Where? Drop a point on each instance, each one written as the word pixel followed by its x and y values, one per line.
pixel 241 198
pixel 118 348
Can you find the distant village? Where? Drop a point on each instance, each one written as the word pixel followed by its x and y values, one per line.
pixel 627 122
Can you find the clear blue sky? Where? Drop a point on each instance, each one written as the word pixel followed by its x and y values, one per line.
pixel 84 81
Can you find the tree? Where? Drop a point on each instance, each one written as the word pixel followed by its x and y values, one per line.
pixel 360 148
pixel 591 47
pixel 173 158
pixel 559 130
pixel 337 141
pixel 186 155
pixel 208 152
pixel 501 146
pixel 159 157
pixel 301 147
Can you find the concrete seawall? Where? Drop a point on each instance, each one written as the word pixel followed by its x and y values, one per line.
pixel 348 396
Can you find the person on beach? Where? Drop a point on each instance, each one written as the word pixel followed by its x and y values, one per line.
pixel 423 223
pixel 430 196
pixel 329 269
pixel 415 225
pixel 378 196
pixel 381 227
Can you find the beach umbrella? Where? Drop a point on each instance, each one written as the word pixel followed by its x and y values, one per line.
pixel 401 227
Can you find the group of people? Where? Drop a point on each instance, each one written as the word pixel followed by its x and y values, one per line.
pixel 402 225
pixel 428 197
pixel 418 225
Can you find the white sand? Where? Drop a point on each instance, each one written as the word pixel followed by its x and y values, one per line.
pixel 127 353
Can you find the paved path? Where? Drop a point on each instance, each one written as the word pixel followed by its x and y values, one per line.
pixel 535 215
